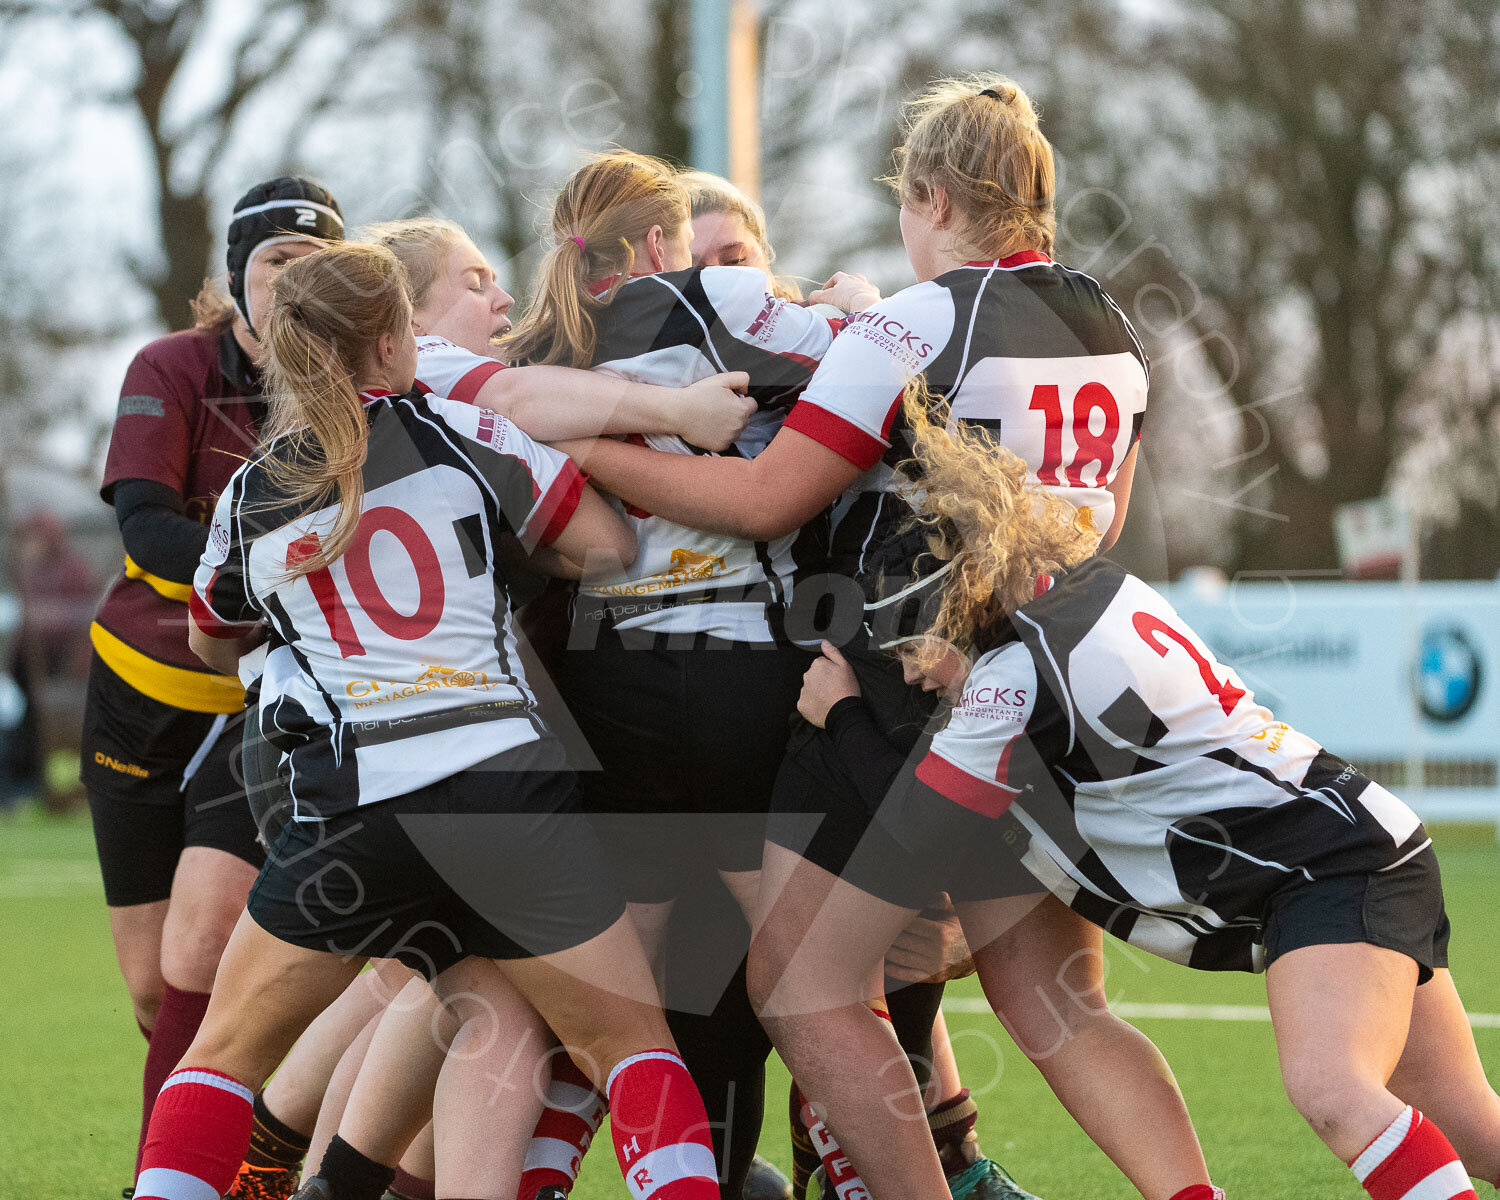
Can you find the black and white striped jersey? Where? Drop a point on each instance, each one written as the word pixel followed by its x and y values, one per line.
pixel 445 369
pixel 1033 352
pixel 396 665
pixel 674 329
pixel 1162 802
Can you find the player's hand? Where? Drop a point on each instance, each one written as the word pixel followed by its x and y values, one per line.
pixel 932 948
pixel 846 291
pixel 827 681
pixel 713 412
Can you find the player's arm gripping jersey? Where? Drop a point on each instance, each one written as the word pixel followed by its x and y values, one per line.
pixel 970 759
pixel 396 664
pixel 674 329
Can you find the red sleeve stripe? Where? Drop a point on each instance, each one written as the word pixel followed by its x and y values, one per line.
pixel 844 438
pixel 468 387
pixel 214 625
pixel 890 416
pixel 984 796
pixel 837 324
pixel 802 360
pixel 558 506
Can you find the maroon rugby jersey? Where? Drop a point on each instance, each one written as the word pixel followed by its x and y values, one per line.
pixel 188 417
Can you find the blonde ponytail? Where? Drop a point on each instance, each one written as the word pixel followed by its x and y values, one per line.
pixel 980 140
pixel 328 312
pixel 999 529
pixel 606 206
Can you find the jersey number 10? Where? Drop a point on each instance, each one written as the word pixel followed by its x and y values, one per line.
pixel 367 594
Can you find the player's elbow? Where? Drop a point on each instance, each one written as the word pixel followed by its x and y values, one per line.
pixel 770 516
pixel 217 653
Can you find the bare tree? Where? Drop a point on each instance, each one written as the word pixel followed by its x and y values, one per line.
pixel 1324 240
pixel 186 154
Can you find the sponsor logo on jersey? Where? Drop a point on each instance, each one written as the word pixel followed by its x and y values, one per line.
pixel 142 406
pixel 492 430
pixel 685 566
pixel 218 543
pixel 369 692
pixel 764 325
pixel 996 703
pixel 1273 736
pixel 114 764
pixel 891 335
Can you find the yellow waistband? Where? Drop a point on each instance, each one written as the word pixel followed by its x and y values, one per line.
pixel 196 691
pixel 162 587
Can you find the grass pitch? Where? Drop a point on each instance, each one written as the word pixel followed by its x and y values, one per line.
pixel 70 1067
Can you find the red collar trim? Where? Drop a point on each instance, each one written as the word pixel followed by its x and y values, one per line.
pixel 600 286
pixel 370 395
pixel 1021 259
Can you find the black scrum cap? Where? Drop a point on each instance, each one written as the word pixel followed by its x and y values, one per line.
pixel 278 210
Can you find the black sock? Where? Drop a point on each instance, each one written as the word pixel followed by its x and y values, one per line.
pixel 351 1175
pixel 913 1008
pixel 273 1143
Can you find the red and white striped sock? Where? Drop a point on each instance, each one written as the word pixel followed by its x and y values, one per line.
pixel 842 1177
pixel 564 1132
pixel 1412 1160
pixel 200 1130
pixel 1200 1191
pixel 660 1129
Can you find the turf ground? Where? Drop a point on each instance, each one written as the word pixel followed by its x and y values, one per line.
pixel 70 1055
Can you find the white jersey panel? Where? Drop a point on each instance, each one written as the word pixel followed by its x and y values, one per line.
pixel 444 369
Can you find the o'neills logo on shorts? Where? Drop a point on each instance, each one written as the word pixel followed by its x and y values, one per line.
pixel 114 764
pixel 370 692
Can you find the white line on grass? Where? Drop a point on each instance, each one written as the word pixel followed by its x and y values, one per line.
pixel 1184 1012
pixel 35 878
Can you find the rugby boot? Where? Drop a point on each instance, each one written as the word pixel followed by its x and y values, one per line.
pixel 764 1181
pixel 264 1183
pixel 316 1188
pixel 986 1179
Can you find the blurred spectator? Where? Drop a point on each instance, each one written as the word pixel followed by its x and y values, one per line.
pixel 56 588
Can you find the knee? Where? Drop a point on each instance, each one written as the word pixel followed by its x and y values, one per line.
pixel 193 941
pixel 1323 1096
pixel 762 969
pixel 147 1002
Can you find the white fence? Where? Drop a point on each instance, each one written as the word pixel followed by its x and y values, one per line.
pixel 1401 679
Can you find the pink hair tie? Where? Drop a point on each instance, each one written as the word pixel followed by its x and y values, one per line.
pixel 581 245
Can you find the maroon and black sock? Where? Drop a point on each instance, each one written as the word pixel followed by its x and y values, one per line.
pixel 176 1026
pixel 274 1143
pixel 412 1187
pixel 951 1123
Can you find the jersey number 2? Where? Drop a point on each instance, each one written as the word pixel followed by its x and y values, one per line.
pixel 1092 447
pixel 424 559
pixel 1152 629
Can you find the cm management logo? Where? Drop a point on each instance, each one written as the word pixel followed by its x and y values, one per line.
pixel 1447 674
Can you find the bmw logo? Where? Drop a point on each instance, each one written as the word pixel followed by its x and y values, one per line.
pixel 1447 674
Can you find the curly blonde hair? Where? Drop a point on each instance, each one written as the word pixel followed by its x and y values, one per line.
pixel 999 529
